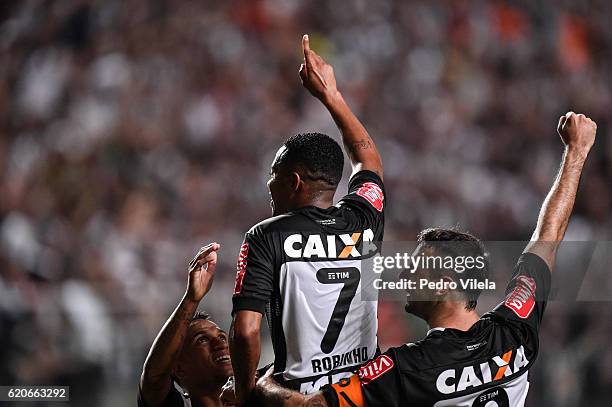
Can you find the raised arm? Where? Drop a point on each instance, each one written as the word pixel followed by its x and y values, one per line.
pixel 155 380
pixel 578 135
pixel 318 77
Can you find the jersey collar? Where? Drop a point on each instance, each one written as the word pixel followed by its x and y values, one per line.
pixel 432 330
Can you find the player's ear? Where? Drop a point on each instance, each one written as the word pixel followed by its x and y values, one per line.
pixel 295 181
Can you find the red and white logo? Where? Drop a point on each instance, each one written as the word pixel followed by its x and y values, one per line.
pixel 374 369
pixel 241 267
pixel 522 299
pixel 373 194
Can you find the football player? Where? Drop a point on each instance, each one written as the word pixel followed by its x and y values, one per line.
pixel 190 351
pixel 302 266
pixel 467 360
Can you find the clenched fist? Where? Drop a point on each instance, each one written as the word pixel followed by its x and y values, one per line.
pixel 577 131
pixel 317 75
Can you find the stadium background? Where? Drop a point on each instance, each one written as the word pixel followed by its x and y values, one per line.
pixel 133 132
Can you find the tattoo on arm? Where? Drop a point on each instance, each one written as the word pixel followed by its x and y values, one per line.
pixel 357 142
pixel 270 393
pixel 316 401
pixel 156 378
pixel 362 144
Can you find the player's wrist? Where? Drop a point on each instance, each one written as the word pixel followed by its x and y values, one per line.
pixel 331 98
pixel 191 299
pixel 577 152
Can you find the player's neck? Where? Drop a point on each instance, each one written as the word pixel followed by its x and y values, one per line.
pixel 323 204
pixel 452 316
pixel 323 201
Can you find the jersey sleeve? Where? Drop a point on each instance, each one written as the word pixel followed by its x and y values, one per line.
pixel 254 274
pixel 366 195
pixel 527 293
pixel 377 384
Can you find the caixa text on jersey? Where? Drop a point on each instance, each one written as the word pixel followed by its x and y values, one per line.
pixel 342 246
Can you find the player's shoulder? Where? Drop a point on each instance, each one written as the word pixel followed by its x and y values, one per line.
pixel 267 225
pixel 442 347
pixel 409 357
pixel 280 223
pixel 366 189
pixel 417 356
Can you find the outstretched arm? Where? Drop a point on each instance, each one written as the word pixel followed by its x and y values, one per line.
pixel 318 77
pixel 578 135
pixel 155 380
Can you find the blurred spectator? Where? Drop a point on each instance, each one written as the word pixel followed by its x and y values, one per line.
pixel 133 131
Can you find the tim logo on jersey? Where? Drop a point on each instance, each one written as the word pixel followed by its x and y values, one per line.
pixel 343 246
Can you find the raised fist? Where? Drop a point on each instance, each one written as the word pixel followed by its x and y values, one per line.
pixel 577 131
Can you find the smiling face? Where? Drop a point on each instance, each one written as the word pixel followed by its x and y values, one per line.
pixel 205 361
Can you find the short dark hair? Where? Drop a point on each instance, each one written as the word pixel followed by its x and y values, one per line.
pixel 454 242
pixel 200 315
pixel 317 155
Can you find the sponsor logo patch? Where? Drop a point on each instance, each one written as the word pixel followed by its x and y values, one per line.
pixel 376 368
pixel 241 267
pixel 522 298
pixel 373 194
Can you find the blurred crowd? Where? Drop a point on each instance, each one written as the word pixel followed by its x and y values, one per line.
pixel 133 132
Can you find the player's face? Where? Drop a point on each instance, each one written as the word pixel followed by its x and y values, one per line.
pixel 277 185
pixel 205 355
pixel 419 301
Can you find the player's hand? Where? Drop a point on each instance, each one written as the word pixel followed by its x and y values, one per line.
pixel 317 75
pixel 577 131
pixel 228 394
pixel 264 382
pixel 202 272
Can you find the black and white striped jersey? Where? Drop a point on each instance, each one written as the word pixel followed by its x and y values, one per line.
pixel 303 270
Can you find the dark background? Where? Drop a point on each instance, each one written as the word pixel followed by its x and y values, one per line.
pixel 133 132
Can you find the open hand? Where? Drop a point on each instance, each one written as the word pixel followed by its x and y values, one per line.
pixel 202 272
